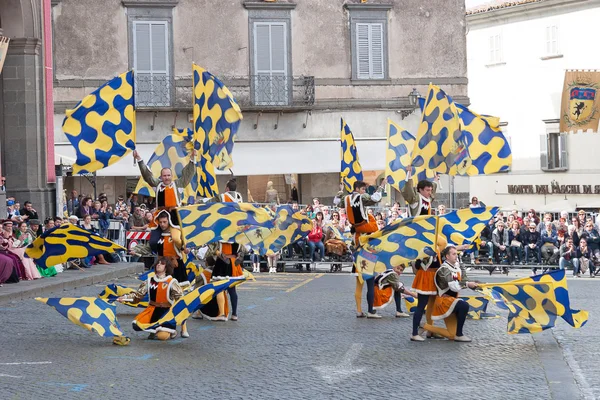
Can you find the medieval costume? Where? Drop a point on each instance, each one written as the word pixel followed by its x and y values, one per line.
pixel 424 286
pixel 417 203
pixel 388 288
pixel 165 244
pixel 361 223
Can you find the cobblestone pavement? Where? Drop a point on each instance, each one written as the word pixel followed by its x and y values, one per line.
pixel 297 337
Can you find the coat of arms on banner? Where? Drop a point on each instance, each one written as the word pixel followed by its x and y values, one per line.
pixel 580 108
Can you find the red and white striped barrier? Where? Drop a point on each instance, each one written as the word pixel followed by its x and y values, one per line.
pixel 138 235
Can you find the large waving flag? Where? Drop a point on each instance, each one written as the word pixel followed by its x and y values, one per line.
pixel 206 223
pixel 288 228
pixel 113 291
pixel 398 155
pixel 66 242
pixel 351 171
pixel 534 303
pixel 101 127
pixel 207 179
pixel 91 313
pixel 217 118
pixel 398 243
pixel 456 141
pixel 183 308
pixel 173 152
pixel 463 226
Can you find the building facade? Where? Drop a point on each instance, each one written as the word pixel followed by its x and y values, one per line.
pixel 295 68
pixel 517 56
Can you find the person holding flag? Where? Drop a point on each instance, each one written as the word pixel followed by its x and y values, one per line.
pixel 168 196
pixel 419 200
pixel 361 223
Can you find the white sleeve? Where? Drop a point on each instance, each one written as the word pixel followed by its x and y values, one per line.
pixel 336 200
pixel 376 196
pixel 454 286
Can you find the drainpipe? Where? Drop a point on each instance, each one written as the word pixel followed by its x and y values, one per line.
pixel 49 85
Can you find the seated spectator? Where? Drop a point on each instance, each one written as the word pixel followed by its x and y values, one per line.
pixel 11 268
pixel 36 226
pixel 577 231
pixel 509 220
pixel 309 212
pixel 592 238
pixel 85 207
pixel 525 225
pixel 582 218
pixel 315 237
pixel 561 221
pixel 326 215
pixel 475 203
pixel 501 244
pixel 515 214
pixel 549 240
pixel 584 255
pixel 486 240
pixel 568 256
pixel 441 209
pixel 333 243
pixel 136 220
pixel 380 224
pixel 532 242
pixel 516 245
pixel 15 246
pixel 533 217
pixel 148 219
pixel 99 214
pixel 393 217
pixel 542 225
pixel 28 212
pixel 48 224
pixel 87 225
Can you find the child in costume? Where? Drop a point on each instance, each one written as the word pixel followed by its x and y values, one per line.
pixel 388 287
pixel 163 290
pixel 361 223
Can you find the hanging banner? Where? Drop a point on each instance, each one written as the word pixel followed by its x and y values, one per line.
pixel 3 49
pixel 580 108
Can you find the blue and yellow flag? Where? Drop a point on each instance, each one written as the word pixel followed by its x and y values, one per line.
pixel 454 140
pixel 173 152
pixel 113 291
pixel 398 243
pixel 351 171
pixel 289 227
pixel 217 118
pixel 101 127
pixel 463 226
pixel 91 313
pixel 534 303
pixel 66 242
pixel 206 223
pixel 207 178
pixel 477 306
pixel 183 308
pixel 400 144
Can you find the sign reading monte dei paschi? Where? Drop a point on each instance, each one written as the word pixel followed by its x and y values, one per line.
pixel 553 189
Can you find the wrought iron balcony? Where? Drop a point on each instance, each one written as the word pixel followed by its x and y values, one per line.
pixel 259 92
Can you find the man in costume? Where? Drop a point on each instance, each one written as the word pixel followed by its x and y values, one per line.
pixel 165 244
pixel 227 262
pixel 168 191
pixel 163 290
pixel 419 200
pixel 361 223
pixel 449 280
pixel 388 287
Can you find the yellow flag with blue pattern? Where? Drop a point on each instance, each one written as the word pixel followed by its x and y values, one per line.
pixel 454 140
pixel 113 291
pixel 91 313
pixel 535 303
pixel 66 242
pixel 101 127
pixel 217 118
pixel 462 227
pixel 400 144
pixel 351 171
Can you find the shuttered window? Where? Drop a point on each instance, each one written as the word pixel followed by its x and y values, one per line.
pixel 496 56
pixel 552 47
pixel 151 63
pixel 271 80
pixel 553 152
pixel 370 51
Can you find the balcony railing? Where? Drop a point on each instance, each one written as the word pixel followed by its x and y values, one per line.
pixel 261 92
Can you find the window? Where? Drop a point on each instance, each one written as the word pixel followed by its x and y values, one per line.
pixel 271 80
pixel 369 41
pixel 552 47
pixel 496 49
pixel 553 152
pixel 151 63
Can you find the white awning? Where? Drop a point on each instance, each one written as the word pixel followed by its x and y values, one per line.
pixel 267 158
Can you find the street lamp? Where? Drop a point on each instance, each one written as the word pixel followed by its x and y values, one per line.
pixel 413 97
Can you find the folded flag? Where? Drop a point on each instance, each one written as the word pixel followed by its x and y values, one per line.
pixel 210 222
pixel 101 127
pixel 217 118
pixel 113 291
pixel 91 313
pixel 534 303
pixel 351 171
pixel 66 242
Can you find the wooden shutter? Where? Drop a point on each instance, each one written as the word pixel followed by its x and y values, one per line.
pixel 370 55
pixel 562 151
pixel 376 51
pixel 151 63
pixel 270 63
pixel 544 152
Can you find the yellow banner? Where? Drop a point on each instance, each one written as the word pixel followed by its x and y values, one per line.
pixel 580 108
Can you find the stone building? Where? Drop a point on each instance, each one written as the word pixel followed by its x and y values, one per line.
pixel 294 67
